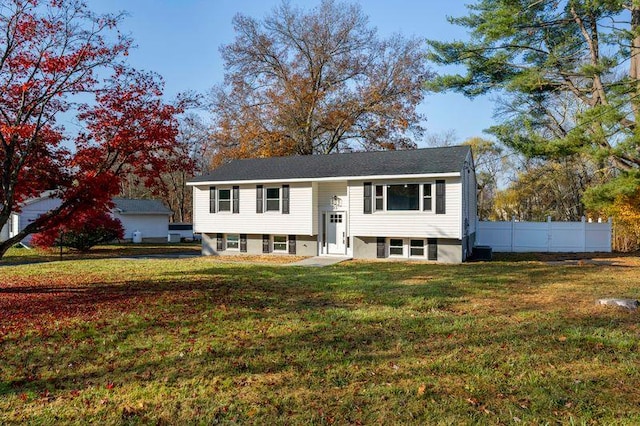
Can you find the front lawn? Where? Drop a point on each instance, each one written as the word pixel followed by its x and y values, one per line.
pixel 199 340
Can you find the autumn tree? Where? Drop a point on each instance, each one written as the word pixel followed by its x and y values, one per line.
pixel 84 230
pixel 490 163
pixel 190 156
pixel 553 188
pixel 52 51
pixel 316 81
pixel 568 74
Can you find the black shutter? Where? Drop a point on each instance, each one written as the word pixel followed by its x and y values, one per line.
pixel 292 244
pixel 212 199
pixel 220 242
pixel 381 247
pixel 367 197
pixel 285 199
pixel 426 197
pixel 440 197
pixel 265 243
pixel 259 201
pixel 432 250
pixel 243 243
pixel 236 199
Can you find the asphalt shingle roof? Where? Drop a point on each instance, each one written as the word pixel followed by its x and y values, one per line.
pixel 134 206
pixel 370 163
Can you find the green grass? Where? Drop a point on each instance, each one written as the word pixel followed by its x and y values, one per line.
pixel 201 341
pixel 20 255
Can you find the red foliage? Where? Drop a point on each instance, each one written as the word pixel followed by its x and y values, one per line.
pixel 82 231
pixel 52 50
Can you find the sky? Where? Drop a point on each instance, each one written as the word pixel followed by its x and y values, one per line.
pixel 180 40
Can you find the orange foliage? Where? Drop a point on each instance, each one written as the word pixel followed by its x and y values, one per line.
pixel 626 222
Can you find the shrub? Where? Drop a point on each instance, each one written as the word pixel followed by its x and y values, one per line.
pixel 83 231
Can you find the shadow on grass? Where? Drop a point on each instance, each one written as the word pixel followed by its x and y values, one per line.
pixel 273 320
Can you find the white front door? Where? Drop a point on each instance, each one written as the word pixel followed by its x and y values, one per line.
pixel 336 232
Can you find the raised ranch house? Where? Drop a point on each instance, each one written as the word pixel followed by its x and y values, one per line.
pixel 406 204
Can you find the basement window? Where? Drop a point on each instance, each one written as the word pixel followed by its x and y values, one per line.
pixel 396 247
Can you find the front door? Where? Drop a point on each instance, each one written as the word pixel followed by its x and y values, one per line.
pixel 336 232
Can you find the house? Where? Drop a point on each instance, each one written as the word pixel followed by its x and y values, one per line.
pixel 150 217
pixel 399 204
pixel 30 210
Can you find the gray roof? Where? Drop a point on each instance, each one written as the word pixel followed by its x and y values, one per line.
pixel 134 206
pixel 353 164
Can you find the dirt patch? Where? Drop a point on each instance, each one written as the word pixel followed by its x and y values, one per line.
pixel 275 259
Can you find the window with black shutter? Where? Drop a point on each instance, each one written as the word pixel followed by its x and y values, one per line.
pixel 292 244
pixel 381 249
pixel 440 197
pixel 265 243
pixel 220 242
pixel 236 199
pixel 285 199
pixel 243 243
pixel 212 199
pixel 259 199
pixel 367 198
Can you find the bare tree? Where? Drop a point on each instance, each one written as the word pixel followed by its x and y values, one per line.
pixel 318 81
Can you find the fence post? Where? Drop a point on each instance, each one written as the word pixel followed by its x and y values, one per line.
pixel 548 233
pixel 610 234
pixel 513 232
pixel 584 234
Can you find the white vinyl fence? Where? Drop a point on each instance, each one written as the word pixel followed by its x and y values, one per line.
pixel 546 236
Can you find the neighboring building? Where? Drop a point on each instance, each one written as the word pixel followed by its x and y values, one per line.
pixel 405 204
pixel 149 217
pixel 31 209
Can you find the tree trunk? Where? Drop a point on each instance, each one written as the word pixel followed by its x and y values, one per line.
pixel 634 68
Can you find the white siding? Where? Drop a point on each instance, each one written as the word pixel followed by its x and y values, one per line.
pixel 150 225
pixel 299 221
pixel 4 232
pixel 326 191
pixel 406 224
pixel 470 205
pixel 32 211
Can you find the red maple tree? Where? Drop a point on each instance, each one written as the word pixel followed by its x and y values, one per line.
pixel 51 51
pixel 82 231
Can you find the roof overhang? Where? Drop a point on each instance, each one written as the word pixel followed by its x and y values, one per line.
pixel 326 179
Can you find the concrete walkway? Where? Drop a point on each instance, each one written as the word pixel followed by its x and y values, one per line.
pixel 320 261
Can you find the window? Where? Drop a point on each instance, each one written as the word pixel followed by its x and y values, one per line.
pixel 396 247
pixel 224 200
pixel 417 248
pixel 279 243
pixel 426 197
pixel 273 199
pixel 233 241
pixel 335 218
pixel 379 197
pixel 403 197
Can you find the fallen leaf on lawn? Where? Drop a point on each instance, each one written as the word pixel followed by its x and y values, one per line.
pixel 421 389
pixel 472 401
pixel 562 338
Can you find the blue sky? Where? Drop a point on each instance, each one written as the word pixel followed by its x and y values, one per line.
pixel 179 39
